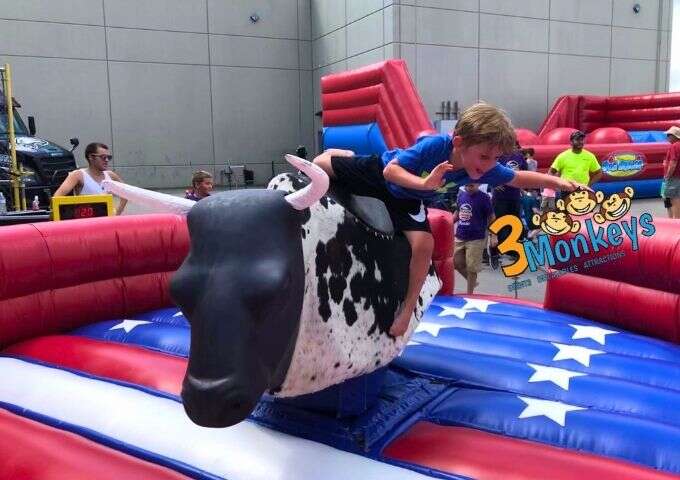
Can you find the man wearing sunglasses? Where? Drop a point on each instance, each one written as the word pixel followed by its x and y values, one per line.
pixel 87 181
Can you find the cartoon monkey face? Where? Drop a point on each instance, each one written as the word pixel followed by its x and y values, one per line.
pixel 616 206
pixel 556 223
pixel 580 202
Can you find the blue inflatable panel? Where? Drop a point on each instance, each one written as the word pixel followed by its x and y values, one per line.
pixel 158 336
pixel 582 428
pixel 362 139
pixel 351 397
pixel 517 370
pixel 648 136
pixel 533 323
pixel 403 397
pixel 547 381
pixel 650 188
pixel 168 316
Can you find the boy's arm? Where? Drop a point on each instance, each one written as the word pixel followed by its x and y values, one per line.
pixel 338 152
pixel 395 173
pixel 526 179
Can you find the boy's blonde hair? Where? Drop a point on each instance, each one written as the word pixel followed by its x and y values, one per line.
pixel 199 176
pixel 486 123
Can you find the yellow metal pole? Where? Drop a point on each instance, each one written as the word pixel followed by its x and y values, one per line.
pixel 16 179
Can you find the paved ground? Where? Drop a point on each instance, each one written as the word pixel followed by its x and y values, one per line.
pixel 490 281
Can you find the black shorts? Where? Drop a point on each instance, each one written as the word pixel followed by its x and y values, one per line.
pixel 667 202
pixel 363 175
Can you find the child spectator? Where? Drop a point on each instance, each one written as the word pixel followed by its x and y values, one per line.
pixel 532 164
pixel 530 206
pixel 547 199
pixel 202 185
pixel 473 217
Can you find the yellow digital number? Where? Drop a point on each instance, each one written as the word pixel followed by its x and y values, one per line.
pixel 511 243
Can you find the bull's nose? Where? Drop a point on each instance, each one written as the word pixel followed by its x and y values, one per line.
pixel 216 404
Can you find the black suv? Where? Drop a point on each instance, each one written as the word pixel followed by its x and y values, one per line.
pixel 47 163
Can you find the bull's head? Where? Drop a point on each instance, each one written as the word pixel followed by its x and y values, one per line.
pixel 241 288
pixel 284 293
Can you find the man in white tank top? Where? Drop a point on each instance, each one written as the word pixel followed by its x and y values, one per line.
pixel 87 181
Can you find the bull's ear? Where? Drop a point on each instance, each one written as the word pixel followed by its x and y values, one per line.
pixel 575 227
pixel 536 219
pixel 560 205
pixel 599 196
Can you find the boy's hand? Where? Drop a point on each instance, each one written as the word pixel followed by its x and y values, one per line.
pixel 493 241
pixel 570 185
pixel 435 179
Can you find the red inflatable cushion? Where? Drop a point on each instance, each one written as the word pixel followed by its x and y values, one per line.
pixel 608 135
pixel 482 455
pixel 127 363
pixel 441 224
pixel 526 137
pixel 558 136
pixel 643 310
pixel 59 275
pixel 32 450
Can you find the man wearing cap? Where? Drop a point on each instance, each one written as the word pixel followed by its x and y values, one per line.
pixel 671 172
pixel 577 163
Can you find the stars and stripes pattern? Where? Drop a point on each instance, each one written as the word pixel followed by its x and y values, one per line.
pixel 548 373
pixel 515 370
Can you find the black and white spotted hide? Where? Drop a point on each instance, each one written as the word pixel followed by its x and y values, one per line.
pixel 355 278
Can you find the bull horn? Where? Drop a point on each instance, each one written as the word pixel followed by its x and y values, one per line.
pixel 160 202
pixel 314 191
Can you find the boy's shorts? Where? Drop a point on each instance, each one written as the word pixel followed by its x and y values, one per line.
pixel 363 175
pixel 472 251
pixel 667 202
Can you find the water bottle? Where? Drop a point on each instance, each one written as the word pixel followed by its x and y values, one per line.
pixel 3 204
pixel 36 203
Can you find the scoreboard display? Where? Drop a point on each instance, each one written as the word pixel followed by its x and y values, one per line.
pixel 82 206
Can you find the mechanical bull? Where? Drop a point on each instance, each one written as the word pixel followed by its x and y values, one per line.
pixel 288 290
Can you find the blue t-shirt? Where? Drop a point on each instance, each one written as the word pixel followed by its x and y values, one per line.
pixel 515 161
pixel 473 215
pixel 428 152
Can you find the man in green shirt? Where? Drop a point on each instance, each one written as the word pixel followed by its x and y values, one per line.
pixel 577 163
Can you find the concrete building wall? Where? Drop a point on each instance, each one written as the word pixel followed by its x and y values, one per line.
pixel 521 55
pixel 176 85
pixel 171 85
pixel 348 34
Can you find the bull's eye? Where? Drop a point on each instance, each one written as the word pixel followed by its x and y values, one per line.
pixel 267 280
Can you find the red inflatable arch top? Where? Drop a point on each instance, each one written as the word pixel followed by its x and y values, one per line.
pixel 382 93
pixel 606 121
